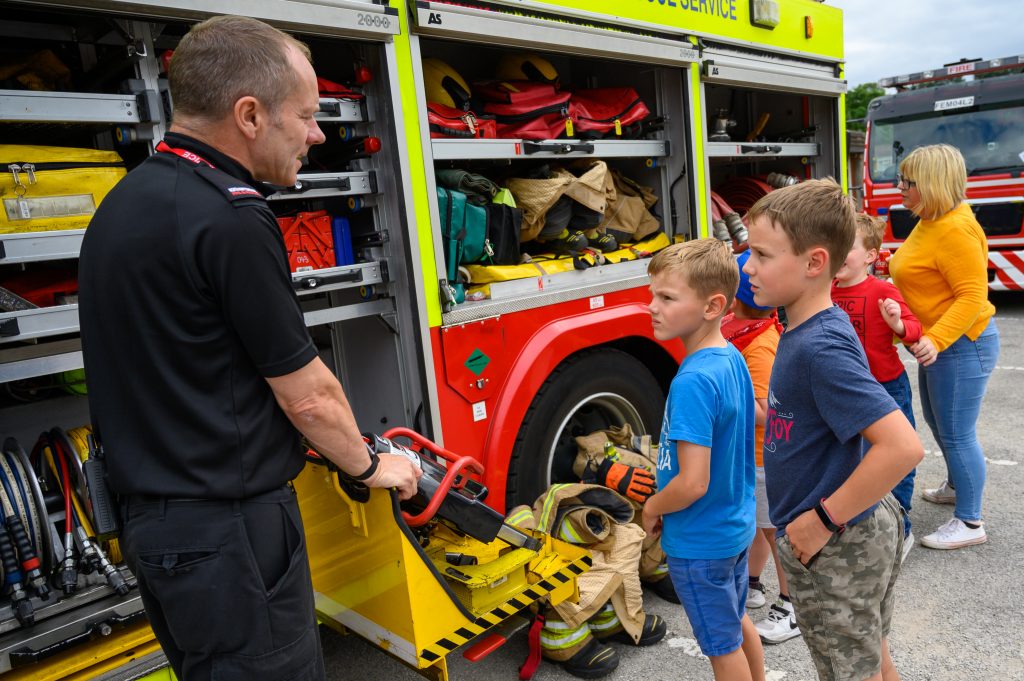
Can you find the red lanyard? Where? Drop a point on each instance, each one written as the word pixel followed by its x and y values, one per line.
pixel 183 153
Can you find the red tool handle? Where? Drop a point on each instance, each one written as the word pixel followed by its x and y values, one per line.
pixel 456 464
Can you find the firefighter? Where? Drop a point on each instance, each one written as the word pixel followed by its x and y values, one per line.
pixel 202 372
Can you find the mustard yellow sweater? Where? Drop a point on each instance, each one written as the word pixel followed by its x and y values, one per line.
pixel 941 271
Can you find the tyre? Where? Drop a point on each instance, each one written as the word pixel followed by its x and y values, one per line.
pixel 592 390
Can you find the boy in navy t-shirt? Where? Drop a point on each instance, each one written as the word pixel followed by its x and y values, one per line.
pixel 840 532
pixel 705 505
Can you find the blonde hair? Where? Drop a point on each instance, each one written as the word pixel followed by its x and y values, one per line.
pixel 871 230
pixel 812 213
pixel 940 174
pixel 706 265
pixel 225 58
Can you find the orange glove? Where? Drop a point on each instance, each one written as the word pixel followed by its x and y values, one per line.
pixel 635 483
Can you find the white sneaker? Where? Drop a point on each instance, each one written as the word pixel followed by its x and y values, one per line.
pixel 780 624
pixel 954 535
pixel 908 543
pixel 755 596
pixel 943 494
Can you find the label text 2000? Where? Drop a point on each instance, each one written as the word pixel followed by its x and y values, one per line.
pixel 375 20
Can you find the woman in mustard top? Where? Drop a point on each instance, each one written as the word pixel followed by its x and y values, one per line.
pixel 941 270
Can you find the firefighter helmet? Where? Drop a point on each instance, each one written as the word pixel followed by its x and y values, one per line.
pixel 444 85
pixel 527 66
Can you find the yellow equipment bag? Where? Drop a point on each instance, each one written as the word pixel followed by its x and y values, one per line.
pixel 49 188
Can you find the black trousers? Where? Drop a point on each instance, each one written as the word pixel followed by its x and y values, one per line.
pixel 226 586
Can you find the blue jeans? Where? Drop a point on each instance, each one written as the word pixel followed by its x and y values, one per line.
pixel 899 389
pixel 951 391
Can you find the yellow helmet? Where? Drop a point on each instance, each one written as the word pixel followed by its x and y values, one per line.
pixel 445 85
pixel 526 66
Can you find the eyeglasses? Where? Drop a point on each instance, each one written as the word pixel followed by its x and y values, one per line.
pixel 903 182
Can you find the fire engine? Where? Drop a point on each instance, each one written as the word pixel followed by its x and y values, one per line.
pixel 981 117
pixel 741 97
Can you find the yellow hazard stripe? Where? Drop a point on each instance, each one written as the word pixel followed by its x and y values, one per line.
pixel 488 620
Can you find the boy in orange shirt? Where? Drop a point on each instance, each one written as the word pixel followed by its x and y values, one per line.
pixel 755 330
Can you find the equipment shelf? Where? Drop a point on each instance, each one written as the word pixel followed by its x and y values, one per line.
pixel 761 149
pixel 36 246
pixel 38 323
pixel 68 107
pixel 497 149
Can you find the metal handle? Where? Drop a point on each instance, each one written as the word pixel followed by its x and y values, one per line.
pixel 760 149
pixel 312 282
pixel 557 148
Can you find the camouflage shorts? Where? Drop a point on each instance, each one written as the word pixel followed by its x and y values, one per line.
pixel 844 600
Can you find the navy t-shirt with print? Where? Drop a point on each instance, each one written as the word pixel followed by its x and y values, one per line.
pixel 821 395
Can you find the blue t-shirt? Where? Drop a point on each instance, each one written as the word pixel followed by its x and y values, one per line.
pixel 821 395
pixel 711 404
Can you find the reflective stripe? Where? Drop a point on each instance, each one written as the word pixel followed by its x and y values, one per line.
pixel 558 625
pixel 662 569
pixel 561 642
pixel 568 533
pixel 517 518
pixel 549 502
pixel 605 619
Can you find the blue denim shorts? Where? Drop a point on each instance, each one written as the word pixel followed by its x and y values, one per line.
pixel 714 594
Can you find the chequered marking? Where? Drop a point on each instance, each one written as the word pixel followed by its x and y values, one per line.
pixel 497 615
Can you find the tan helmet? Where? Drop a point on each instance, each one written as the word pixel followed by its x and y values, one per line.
pixel 444 85
pixel 526 66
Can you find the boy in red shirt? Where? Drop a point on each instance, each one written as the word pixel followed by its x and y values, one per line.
pixel 877 312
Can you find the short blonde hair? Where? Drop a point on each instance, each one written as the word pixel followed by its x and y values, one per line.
pixel 707 266
pixel 871 230
pixel 812 213
pixel 940 174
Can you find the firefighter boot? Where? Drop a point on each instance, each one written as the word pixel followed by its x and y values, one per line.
pixel 664 588
pixel 607 628
pixel 576 649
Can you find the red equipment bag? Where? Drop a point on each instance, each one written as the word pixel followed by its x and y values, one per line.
pixel 445 121
pixel 328 88
pixel 606 111
pixel 309 240
pixel 527 110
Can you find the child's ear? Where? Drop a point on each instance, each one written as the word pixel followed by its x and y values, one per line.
pixel 872 255
pixel 817 261
pixel 716 306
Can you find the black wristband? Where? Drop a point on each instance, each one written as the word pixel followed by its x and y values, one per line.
pixel 368 473
pixel 826 520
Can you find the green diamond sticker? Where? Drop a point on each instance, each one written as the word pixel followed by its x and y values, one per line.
pixel 477 362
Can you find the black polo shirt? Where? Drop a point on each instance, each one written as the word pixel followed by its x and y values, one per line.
pixel 186 306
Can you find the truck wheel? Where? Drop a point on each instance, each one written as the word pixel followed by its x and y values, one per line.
pixel 592 390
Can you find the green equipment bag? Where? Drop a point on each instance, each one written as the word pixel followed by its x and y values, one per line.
pixel 50 188
pixel 464 231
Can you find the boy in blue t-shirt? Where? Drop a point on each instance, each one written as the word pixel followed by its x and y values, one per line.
pixel 840 532
pixel 705 505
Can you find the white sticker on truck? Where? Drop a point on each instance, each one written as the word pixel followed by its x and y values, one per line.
pixel 957 103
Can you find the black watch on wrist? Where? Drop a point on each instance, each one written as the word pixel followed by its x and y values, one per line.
pixel 368 473
pixel 826 520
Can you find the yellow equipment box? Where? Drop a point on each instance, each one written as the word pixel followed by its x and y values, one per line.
pixel 399 588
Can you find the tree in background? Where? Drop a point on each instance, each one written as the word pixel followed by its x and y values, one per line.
pixel 857 101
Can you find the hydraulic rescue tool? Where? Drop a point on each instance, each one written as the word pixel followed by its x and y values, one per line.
pixel 429 575
pixel 462 504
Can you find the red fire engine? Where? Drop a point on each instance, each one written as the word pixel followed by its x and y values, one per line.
pixel 981 117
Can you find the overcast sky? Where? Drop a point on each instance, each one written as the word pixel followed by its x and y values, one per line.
pixel 907 36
